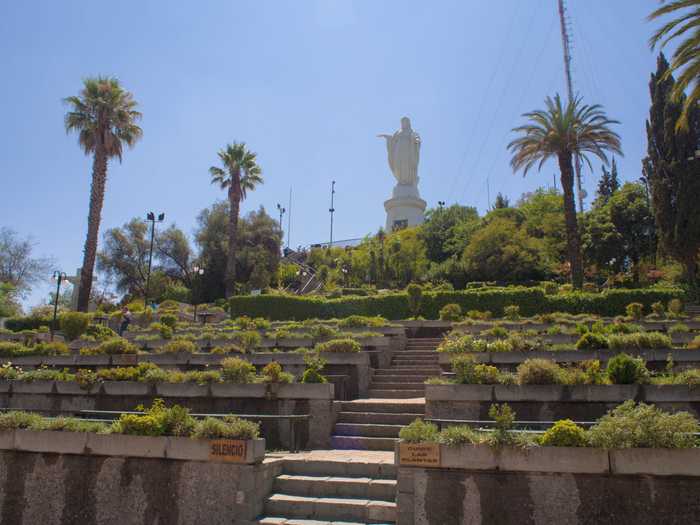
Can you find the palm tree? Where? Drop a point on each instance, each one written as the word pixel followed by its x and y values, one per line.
pixel 104 116
pixel 240 174
pixel 686 25
pixel 562 133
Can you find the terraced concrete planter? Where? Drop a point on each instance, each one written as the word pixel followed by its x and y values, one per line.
pixel 552 402
pixel 476 484
pixel 218 398
pixel 682 358
pixel 51 442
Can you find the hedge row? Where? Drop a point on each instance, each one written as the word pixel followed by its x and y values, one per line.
pixel 17 324
pixel 531 301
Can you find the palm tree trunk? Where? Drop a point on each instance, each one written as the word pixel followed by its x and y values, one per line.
pixel 234 201
pixel 573 241
pixel 97 196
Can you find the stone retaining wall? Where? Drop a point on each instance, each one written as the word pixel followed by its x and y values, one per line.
pixel 88 489
pixel 51 397
pixel 553 402
pixel 509 486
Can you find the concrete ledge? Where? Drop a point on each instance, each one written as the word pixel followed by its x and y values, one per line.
pixel 233 390
pixel 636 461
pixel 126 388
pixel 50 442
pixel 306 391
pixel 130 446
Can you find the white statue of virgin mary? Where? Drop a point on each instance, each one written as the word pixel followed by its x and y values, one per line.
pixel 403 148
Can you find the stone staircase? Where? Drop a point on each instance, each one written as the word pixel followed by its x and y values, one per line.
pixel 324 492
pixel 408 371
pixel 369 424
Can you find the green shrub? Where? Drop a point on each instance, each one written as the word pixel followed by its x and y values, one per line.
pixel 322 331
pixel 72 424
pixel 456 435
pixel 592 341
pixel 74 324
pixel 201 377
pixel 314 366
pixel 163 330
pixel 419 432
pixel 643 426
pixel 19 420
pixel 624 369
pixel 230 427
pixel 339 345
pixel 586 373
pixel 675 306
pixel 512 312
pixel 178 345
pixel 51 348
pixel 415 297
pixel 272 373
pixel 658 308
pixel 590 288
pixel 695 343
pixel 157 420
pixel 503 417
pixel 248 340
pixel 679 328
pixel 635 310
pixel 100 332
pixel 451 312
pixel 11 349
pixel 564 433
pixel 539 372
pixel 168 320
pixel 236 370
pixel 550 288
pixel 465 343
pixel 478 315
pixel 468 372
pixel 361 321
pixel 32 322
pixel 114 346
pixel 639 341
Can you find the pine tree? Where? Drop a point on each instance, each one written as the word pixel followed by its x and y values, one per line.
pixel 671 171
pixel 608 184
pixel 501 202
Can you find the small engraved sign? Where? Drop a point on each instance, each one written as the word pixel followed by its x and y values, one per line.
pixel 230 450
pixel 419 454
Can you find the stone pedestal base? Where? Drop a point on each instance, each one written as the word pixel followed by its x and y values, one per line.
pixel 405 208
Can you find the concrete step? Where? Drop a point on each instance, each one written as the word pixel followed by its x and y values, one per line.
pixel 404 385
pixel 338 486
pixel 330 509
pixel 273 520
pixel 398 378
pixel 335 468
pixel 362 443
pixel 380 407
pixel 396 394
pixel 414 360
pixel 367 430
pixel 379 418
pixel 416 353
pixel 418 371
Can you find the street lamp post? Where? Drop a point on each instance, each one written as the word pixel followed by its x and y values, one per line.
pixel 150 216
pixel 198 272
pixel 332 210
pixel 58 276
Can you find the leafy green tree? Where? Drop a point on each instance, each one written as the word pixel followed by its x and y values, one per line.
pixel 175 256
pixel 503 251
pixel 608 183
pixel 543 212
pixel 501 202
pixel 257 257
pixel 440 228
pixel 20 269
pixel 8 301
pixel 104 116
pixel 601 242
pixel 686 58
pixel 563 132
pixel 239 175
pixel 671 170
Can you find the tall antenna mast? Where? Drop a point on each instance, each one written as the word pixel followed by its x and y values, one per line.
pixel 566 45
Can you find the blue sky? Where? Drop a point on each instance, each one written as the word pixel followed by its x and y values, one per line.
pixel 307 84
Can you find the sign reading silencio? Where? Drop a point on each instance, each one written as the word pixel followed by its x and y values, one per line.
pixel 230 450
pixel 419 454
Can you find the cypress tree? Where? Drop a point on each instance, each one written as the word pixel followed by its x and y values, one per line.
pixel 672 172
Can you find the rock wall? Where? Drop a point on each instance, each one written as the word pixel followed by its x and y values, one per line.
pixel 456 497
pixel 49 489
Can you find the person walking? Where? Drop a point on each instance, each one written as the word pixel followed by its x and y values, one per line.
pixel 126 320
